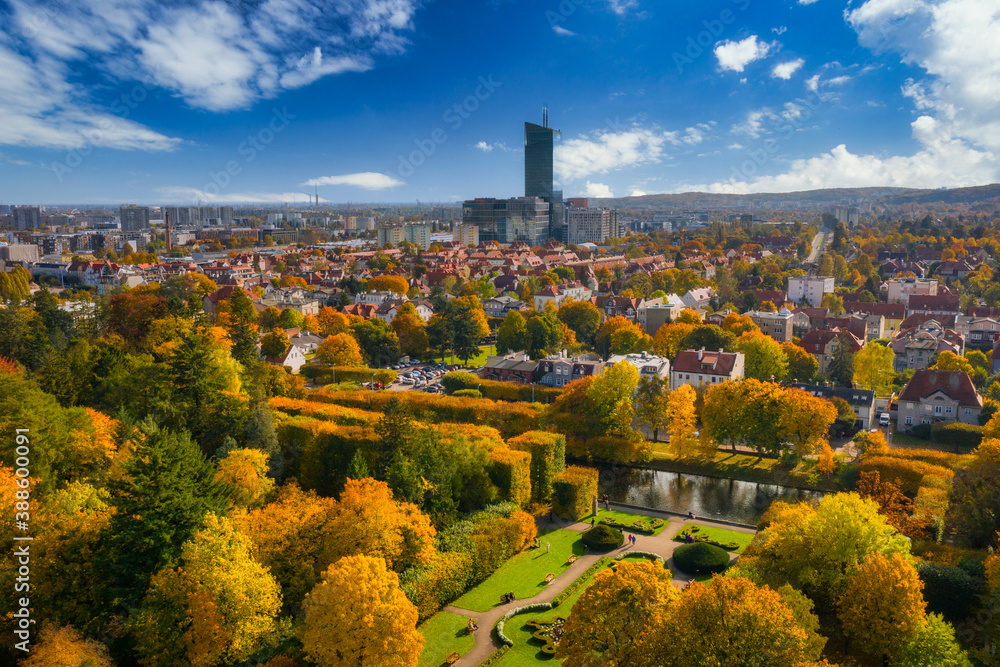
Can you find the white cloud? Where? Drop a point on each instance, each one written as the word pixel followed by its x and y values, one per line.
pixel 735 146
pixel 807 2
pixel 39 107
pixel 766 120
pixel 604 151
pixel 955 43
pixel 787 69
pixel 484 147
pixel 637 193
pixel 599 190
pixel 366 180
pixel 735 56
pixel 812 83
pixel 216 55
pixel 621 7
pixel 563 32
pixel 780 30
pixel 184 195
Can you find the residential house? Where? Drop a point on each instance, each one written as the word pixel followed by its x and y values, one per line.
pixel 700 368
pixel 900 290
pixel 919 347
pixel 935 396
pixel 294 358
pixel 647 364
pixel 514 367
pixel 776 325
pixel 941 304
pixel 862 401
pixel 652 316
pixel 892 314
pixel 614 306
pixel 823 344
pixel 958 268
pixel 499 306
pixel 809 289
pixel 559 370
pixel 700 298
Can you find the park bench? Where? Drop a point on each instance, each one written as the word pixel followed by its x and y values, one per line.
pixel 549 577
pixel 452 659
pixel 572 559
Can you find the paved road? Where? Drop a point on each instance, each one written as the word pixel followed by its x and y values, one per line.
pixel 662 545
pixel 817 245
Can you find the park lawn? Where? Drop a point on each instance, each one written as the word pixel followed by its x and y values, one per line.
pixel 719 535
pixel 444 634
pixel 625 517
pixel 526 650
pixel 525 573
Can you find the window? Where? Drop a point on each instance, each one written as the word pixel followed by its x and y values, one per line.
pixel 909 420
pixel 948 410
pixel 937 409
pixel 968 412
pixel 925 421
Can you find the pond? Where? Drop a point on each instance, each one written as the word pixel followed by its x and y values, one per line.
pixel 710 497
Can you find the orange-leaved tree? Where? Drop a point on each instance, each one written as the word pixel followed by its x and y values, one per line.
pixel 359 616
pixel 340 350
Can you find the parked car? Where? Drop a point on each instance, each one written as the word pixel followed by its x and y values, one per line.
pixel 883 419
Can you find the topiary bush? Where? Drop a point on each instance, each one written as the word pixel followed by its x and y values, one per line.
pixel 951 591
pixel 603 538
pixel 701 558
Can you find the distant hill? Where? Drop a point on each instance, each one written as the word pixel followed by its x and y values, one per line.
pixel 809 198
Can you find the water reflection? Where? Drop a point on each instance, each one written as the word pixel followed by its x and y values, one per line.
pixel 728 499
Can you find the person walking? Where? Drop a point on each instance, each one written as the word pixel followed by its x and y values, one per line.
pixel 546 547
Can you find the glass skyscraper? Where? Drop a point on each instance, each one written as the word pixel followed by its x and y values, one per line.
pixel 539 147
pixel 508 220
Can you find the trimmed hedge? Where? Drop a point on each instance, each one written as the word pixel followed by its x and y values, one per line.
pixel 548 458
pixel 498 391
pixel 511 419
pixel 603 538
pixel 609 449
pixel 949 590
pixel 573 492
pixel 638 526
pixel 324 374
pixel 911 474
pixel 325 411
pixel 957 434
pixel 582 580
pixel 468 393
pixel 701 558
pixel 510 471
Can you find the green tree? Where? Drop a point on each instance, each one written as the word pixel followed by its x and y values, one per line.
pixel 512 335
pixel 708 336
pixel 651 404
pixel 802 366
pixel 469 326
pixel 873 368
pixel 378 341
pixel 167 489
pixel 610 399
pixel 395 432
pixel 841 368
pixel 545 334
pixel 274 344
pixel 765 360
pixel 974 509
pixel 933 645
pixel 583 317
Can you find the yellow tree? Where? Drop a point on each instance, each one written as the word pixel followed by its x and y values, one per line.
pixel 358 616
pixel 413 339
pixel 244 472
pixel 287 537
pixel 882 606
pixel 689 316
pixel 682 421
pixel 729 622
pixel 64 647
pixel 949 361
pixel 220 606
pixel 817 548
pixel 805 419
pixel 667 341
pixel 826 464
pixel 609 397
pixel 397 284
pixel 331 322
pixel 617 331
pixel 873 368
pixel 802 366
pixel 609 621
pixel 340 350
pixel 765 360
pixel 367 520
pixel 738 325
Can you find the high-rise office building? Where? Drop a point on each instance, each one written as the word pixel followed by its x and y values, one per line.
pixel 27 217
pixel 134 218
pixel 182 216
pixel 591 225
pixel 539 180
pixel 508 220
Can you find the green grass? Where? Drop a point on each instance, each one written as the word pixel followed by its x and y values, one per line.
pixel 719 535
pixel 526 651
pixel 624 517
pixel 444 634
pixel 485 352
pixel 525 573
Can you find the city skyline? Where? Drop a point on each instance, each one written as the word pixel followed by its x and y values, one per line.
pixel 398 101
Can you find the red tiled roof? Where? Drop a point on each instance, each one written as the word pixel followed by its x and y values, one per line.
pixel 714 363
pixel 956 385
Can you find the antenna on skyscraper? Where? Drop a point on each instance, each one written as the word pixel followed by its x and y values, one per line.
pixel 545 116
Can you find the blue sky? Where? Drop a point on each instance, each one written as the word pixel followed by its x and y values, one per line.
pixel 397 100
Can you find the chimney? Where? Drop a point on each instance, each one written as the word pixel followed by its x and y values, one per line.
pixel 170 245
pixel 701 353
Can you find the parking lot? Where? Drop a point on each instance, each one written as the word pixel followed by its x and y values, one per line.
pixel 419 376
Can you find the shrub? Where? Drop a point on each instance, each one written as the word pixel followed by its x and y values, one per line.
pixel 637 526
pixel 950 591
pixel 603 538
pixel 922 431
pixel 911 474
pixel 609 448
pixel 498 391
pixel 510 471
pixel 548 458
pixel 701 558
pixel 944 459
pixel 468 393
pixel 324 374
pixel 573 491
pixel 957 434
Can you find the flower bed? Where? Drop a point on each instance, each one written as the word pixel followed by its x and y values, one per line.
pixel 541 606
pixel 637 526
